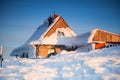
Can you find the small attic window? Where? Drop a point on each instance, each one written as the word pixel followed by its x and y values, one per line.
pixel 60 34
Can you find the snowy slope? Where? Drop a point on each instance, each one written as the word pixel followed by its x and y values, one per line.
pixel 101 64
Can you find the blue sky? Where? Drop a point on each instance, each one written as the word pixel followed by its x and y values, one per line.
pixel 20 18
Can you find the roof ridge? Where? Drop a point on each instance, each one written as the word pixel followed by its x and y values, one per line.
pixel 56 19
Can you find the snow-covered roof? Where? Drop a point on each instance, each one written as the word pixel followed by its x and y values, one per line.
pixel 41 31
pixel 85 37
pixel 56 19
pixel 79 39
pixel 38 36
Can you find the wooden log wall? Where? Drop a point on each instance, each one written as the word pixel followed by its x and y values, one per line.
pixel 106 36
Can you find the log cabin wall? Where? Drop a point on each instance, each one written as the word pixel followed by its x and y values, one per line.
pixel 106 37
pixel 44 50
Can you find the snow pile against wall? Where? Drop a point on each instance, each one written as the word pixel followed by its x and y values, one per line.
pixel 82 39
pixel 68 41
pixel 24 51
pixel 86 37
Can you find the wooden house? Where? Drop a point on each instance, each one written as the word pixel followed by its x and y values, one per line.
pixel 103 39
pixel 46 42
pixel 98 39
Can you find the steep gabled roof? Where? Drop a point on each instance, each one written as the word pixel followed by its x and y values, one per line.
pixel 46 30
pixel 59 23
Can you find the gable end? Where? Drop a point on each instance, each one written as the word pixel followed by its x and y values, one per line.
pixel 59 24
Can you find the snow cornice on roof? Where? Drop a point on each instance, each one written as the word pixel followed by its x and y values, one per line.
pixel 92 34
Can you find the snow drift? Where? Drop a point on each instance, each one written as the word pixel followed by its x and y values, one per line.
pixel 101 64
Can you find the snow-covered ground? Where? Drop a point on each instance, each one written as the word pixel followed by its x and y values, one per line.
pixel 101 64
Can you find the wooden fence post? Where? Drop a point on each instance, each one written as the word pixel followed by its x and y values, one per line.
pixel 1 55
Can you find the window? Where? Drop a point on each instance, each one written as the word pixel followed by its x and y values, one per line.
pixel 60 34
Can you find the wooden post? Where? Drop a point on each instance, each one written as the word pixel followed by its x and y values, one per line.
pixel 1 55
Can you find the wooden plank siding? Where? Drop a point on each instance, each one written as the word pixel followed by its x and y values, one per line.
pixel 103 36
pixel 59 24
pixel 44 50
